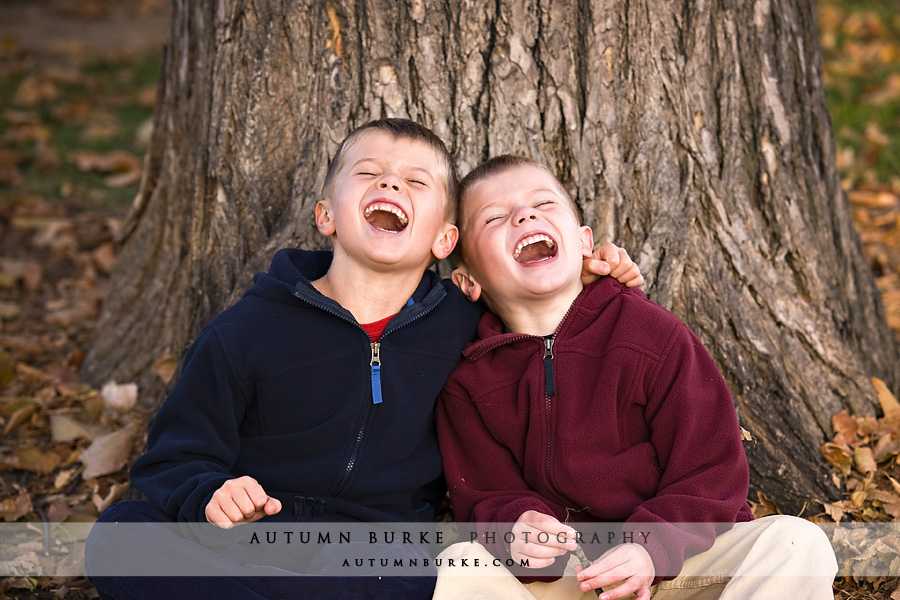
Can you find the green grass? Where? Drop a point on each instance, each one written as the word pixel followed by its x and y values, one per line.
pixel 862 52
pixel 108 93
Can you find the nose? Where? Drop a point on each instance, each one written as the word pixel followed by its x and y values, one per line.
pixel 524 214
pixel 389 180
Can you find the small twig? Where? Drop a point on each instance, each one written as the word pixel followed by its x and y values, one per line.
pixel 579 554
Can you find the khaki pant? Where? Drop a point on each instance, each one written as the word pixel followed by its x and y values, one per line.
pixel 770 558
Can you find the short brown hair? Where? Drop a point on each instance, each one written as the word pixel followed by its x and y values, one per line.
pixel 495 166
pixel 400 129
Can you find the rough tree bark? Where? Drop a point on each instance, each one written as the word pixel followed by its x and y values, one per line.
pixel 693 133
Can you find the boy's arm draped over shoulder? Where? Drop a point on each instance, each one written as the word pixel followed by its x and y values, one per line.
pixel 193 441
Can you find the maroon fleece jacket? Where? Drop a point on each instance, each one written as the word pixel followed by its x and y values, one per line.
pixel 638 427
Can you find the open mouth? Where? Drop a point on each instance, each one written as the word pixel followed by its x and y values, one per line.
pixel 386 217
pixel 534 248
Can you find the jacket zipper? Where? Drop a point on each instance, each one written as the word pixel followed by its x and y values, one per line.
pixel 375 372
pixel 374 376
pixel 549 392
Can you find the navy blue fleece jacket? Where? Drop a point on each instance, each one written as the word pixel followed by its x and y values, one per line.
pixel 281 387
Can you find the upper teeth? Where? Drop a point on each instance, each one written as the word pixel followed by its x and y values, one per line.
pixel 532 239
pixel 394 210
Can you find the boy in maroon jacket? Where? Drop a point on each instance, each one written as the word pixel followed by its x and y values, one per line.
pixel 592 404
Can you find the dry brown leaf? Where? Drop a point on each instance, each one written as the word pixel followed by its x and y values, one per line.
pixel 872 199
pixel 36 89
pixel 838 456
pixel 114 494
pixel 865 460
pixel 894 483
pixel 104 256
pixel 64 428
pixel 64 478
pixel 21 415
pixel 836 510
pixel 765 507
pixel 13 509
pixel 117 161
pixel 58 512
pixel 845 428
pixel 32 459
pixel 108 454
pixel 885 398
pixel 166 365
pixel 123 179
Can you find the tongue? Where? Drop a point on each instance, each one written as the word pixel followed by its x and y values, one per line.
pixel 535 252
pixel 384 220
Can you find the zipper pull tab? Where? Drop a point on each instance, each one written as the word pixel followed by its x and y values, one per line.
pixel 549 384
pixel 375 367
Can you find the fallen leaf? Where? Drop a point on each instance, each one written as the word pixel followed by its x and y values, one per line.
pixel 872 199
pixel 117 161
pixel 765 507
pixel 36 89
pixel 64 478
pixel 32 459
pixel 895 484
pixel 108 454
pixel 58 512
pixel 64 428
pixel 835 510
pixel 14 509
pixel 119 398
pixel 166 365
pixel 18 417
pixel 885 397
pixel 104 256
pixel 864 459
pixel 845 428
pixel 838 456
pixel 114 494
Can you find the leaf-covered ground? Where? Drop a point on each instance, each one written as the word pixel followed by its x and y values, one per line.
pixel 75 108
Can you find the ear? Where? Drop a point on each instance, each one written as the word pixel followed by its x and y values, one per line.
pixel 324 220
pixel 587 241
pixel 466 283
pixel 446 242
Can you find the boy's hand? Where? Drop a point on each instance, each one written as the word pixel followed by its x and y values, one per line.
pixel 629 564
pixel 240 500
pixel 539 539
pixel 611 260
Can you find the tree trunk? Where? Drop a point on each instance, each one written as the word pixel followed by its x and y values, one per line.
pixel 693 133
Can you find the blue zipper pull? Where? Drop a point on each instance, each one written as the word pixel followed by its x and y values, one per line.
pixel 375 366
pixel 549 384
